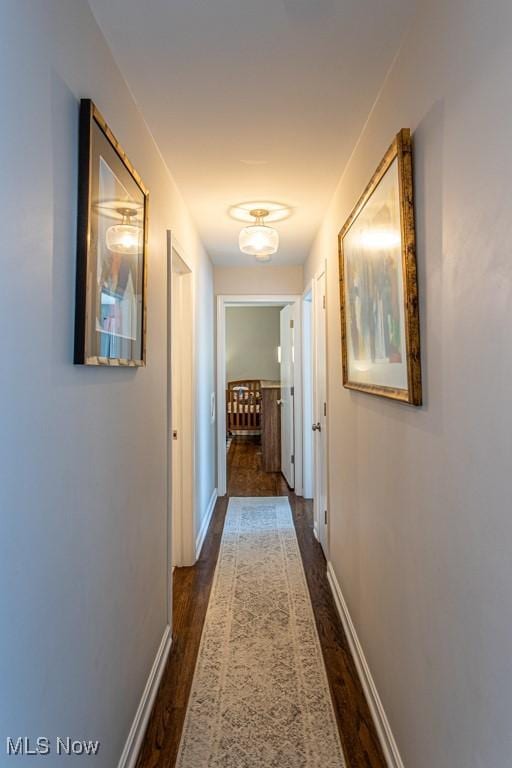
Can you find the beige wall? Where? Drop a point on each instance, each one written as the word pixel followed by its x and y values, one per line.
pixel 258 279
pixel 421 520
pixel 83 463
pixel 252 338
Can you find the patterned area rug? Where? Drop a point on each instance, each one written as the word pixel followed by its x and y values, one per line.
pixel 260 696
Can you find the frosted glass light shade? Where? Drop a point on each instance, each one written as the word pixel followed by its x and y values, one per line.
pixel 259 240
pixel 124 238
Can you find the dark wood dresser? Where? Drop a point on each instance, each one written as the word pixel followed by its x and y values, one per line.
pixel 271 428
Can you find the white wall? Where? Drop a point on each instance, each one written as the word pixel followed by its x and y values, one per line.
pixel 252 338
pixel 420 498
pixel 205 458
pixel 82 450
pixel 259 279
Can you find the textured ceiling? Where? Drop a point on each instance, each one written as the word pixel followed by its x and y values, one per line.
pixel 254 100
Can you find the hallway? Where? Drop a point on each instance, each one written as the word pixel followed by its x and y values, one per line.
pixel 237 218
pixel 191 594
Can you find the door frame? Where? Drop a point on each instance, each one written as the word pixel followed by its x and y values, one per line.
pixel 269 300
pixel 185 517
pixel 316 298
pixel 288 403
pixel 308 474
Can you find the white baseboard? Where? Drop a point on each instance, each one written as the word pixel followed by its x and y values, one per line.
pixel 134 741
pixel 206 522
pixel 315 531
pixel 387 740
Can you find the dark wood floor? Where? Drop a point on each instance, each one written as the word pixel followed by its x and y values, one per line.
pixel 191 593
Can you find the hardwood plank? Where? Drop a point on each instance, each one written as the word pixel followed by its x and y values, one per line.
pixel 191 591
pixel 358 735
pixel 190 600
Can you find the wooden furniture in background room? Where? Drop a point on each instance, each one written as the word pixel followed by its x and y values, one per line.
pixel 243 407
pixel 271 427
pixel 252 408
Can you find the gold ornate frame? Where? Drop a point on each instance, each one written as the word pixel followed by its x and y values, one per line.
pixel 401 148
pixel 89 116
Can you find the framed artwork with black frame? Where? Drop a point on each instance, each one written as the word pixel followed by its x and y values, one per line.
pixel 110 319
pixel 380 328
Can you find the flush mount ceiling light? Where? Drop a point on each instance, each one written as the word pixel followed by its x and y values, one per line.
pixel 259 239
pixel 275 211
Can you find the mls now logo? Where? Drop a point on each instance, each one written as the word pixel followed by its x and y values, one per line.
pixel 23 745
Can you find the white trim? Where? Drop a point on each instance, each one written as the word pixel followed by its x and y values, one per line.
pixel 257 300
pixel 168 436
pixel 267 299
pixel 308 483
pixel 206 522
pixel 133 743
pixel 221 397
pixel 387 740
pixel 319 478
pixel 297 408
pixel 182 520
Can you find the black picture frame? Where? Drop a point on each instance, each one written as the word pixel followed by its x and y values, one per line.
pixel 112 232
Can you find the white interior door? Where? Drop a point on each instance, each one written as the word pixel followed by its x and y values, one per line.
pixel 182 412
pixel 308 463
pixel 320 411
pixel 176 422
pixel 287 396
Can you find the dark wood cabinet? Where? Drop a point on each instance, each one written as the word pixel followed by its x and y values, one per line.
pixel 271 429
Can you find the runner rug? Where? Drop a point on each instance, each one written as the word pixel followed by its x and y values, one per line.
pixel 260 696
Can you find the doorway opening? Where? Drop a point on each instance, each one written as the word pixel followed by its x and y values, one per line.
pixel 259 394
pixel 181 399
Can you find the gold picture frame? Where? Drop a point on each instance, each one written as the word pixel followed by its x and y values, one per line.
pixel 380 330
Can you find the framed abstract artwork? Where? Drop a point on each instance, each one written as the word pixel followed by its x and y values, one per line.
pixel 380 334
pixel 110 319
